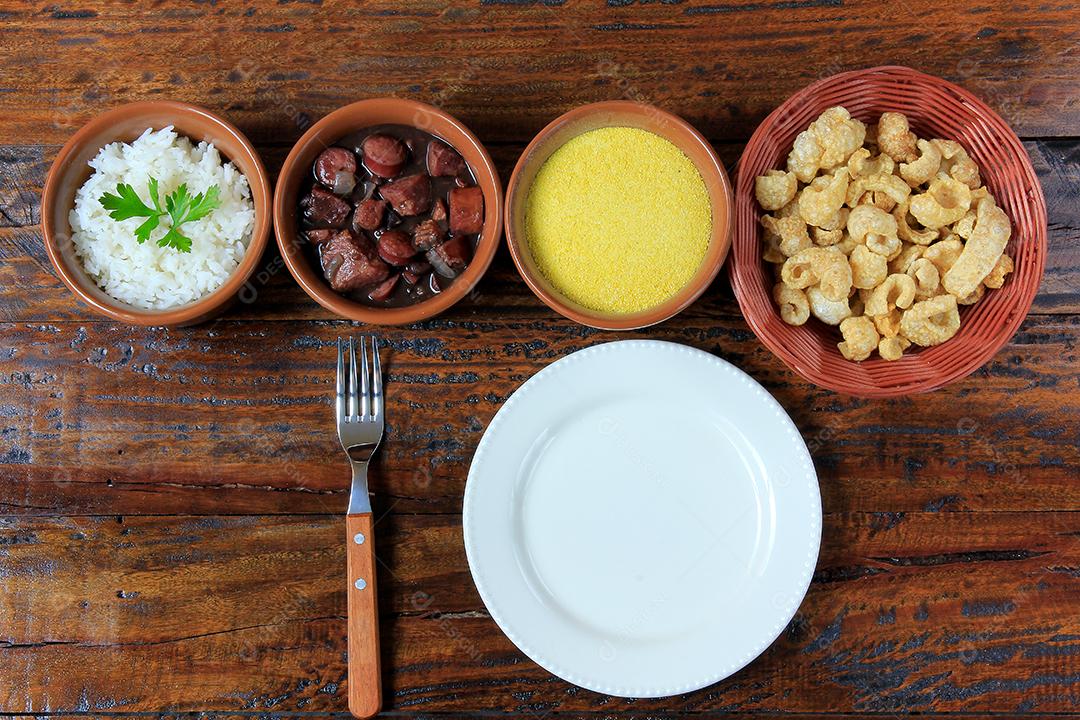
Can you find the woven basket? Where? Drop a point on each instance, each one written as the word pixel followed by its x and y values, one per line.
pixel 936 108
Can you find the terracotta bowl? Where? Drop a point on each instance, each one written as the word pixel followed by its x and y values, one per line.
pixel 935 108
pixel 125 123
pixel 351 118
pixel 619 114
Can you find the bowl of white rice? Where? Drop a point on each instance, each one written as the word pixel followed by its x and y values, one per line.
pixel 155 156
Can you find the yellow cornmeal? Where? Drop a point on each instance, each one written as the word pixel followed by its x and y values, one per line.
pixel 618 219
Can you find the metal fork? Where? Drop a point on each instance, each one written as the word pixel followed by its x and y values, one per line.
pixel 360 420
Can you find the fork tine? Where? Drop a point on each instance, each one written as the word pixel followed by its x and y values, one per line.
pixel 354 402
pixel 376 380
pixel 364 384
pixel 339 396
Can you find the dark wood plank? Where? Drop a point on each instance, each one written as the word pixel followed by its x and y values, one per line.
pixel 234 417
pixel 507 68
pixel 908 612
pixel 30 291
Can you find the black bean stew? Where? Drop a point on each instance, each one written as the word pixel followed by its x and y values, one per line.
pixel 392 215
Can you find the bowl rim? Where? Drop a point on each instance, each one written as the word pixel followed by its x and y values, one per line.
pixel 719 241
pixel 191 312
pixel 312 283
pixel 741 278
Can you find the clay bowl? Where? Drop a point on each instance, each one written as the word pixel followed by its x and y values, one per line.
pixel 935 108
pixel 619 114
pixel 354 117
pixel 125 123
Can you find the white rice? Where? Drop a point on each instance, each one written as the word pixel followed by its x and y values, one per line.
pixel 145 275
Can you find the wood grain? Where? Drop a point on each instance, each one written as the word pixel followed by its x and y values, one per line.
pixel 507 68
pixel 908 612
pixel 105 419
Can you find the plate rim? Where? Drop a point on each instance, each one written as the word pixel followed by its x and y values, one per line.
pixel 799 589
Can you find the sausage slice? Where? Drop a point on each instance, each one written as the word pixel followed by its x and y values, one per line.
pixel 385 289
pixel 396 248
pixel 330 162
pixel 384 155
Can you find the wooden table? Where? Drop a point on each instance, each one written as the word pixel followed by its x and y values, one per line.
pixel 172 535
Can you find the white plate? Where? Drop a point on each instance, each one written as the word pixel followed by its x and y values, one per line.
pixel 642 518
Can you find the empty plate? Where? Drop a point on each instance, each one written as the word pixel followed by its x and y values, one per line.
pixel 642 518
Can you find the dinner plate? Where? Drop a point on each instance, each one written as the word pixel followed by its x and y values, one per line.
pixel 642 518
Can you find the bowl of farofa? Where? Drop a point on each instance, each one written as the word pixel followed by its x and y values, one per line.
pixel 193 126
pixel 935 109
pixel 618 215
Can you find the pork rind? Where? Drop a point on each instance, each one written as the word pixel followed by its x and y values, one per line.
pixel 945 202
pixel 826 144
pixel 868 268
pixel 894 187
pixel 820 206
pixel 944 254
pixel 794 307
pixel 830 312
pixel 825 267
pixel 863 164
pixel 881 233
pixel 1001 268
pixel 895 138
pixel 888 246
pixel 927 278
pixel 805 157
pixel 825 238
pixel 907 233
pixel 981 251
pixel 888 324
pixel 897 291
pixel 957 163
pixel 860 338
pixel 931 322
pixel 846 244
pixel 798 270
pixel 775 189
pixel 792 233
pixel 892 348
pixel 834 277
pixel 772 252
pixel 925 168
pixel 881 200
pixel 902 262
pixel 866 219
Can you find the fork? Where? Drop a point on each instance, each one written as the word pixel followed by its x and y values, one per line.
pixel 359 412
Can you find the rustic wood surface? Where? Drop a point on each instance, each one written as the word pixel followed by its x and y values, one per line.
pixel 171 501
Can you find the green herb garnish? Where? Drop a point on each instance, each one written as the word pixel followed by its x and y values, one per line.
pixel 180 206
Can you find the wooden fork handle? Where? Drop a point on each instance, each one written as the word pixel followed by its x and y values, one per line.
pixel 365 686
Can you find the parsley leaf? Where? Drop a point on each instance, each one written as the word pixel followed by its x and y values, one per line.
pixel 203 204
pixel 126 203
pixel 180 206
